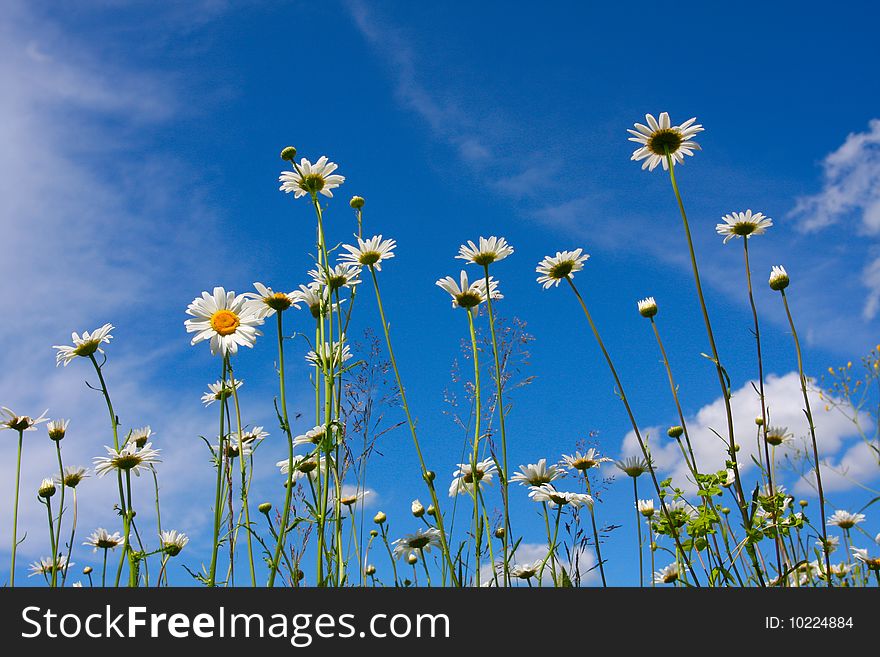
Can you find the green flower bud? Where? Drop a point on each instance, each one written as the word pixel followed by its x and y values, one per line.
pixel 675 432
pixel 356 202
pixel 379 518
pixel 288 154
pixel 265 507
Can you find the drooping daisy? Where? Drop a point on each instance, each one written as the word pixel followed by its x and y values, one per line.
pixel 173 542
pixel 267 302
pixel 585 461
pixel 16 422
pixel 255 434
pixel 645 507
pixel 466 294
pixel 846 520
pixel 84 346
pixel 524 571
pixel 634 466
pixel 554 269
pixel 72 476
pixel 647 307
pixel 316 297
pixel 660 138
pixel 327 356
pixel 313 437
pixel 553 497
pixel 345 274
pixel 46 565
pixel 778 278
pixel 224 318
pixel 369 253
pixel 130 458
pixel 302 465
pixel 312 179
pixel 140 436
pixel 873 563
pixel 57 429
pixel 667 575
pixel 743 224
pixel 778 435
pixel 219 391
pixel 101 539
pixel 411 544
pixel 537 474
pixel 231 447
pixel 464 478
pixel 491 249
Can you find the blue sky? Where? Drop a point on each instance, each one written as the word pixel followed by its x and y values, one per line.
pixel 141 162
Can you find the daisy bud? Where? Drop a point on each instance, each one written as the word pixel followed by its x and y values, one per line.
pixel 57 429
pixel 370 570
pixel 417 509
pixel 87 570
pixel 412 559
pixel 725 510
pixel 356 202
pixel 379 518
pixel 499 532
pixel 430 475
pixel 648 307
pixel 778 278
pixel 675 432
pixel 47 488
pixel 759 421
pixel 645 507
pixel 300 575
pixel 373 533
pixel 431 511
pixel 288 154
pixel 803 504
pixel 265 507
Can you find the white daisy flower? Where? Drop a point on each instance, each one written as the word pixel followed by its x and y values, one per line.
pixel 554 269
pixel 411 544
pixel 578 461
pixel 219 391
pixel 46 565
pixel 83 346
pixel 226 319
pixel 16 422
pixel 101 539
pixel 873 563
pixel 833 543
pixel 660 138
pixel 352 499
pixel 645 507
pixel 57 429
pixel 345 274
pixel 778 278
pixel 326 355
pixel 316 297
pixel 369 253
pixel 267 302
pixel 312 437
pixel 647 307
pixel 846 520
pixel 778 436
pixel 311 178
pixel 524 571
pixel 467 294
pixel 231 447
pixel 72 476
pixel 667 575
pixel 252 435
pixel 546 493
pixel 537 474
pixel 47 488
pixel 743 224
pixel 464 478
pixel 304 465
pixel 173 542
pixel 491 249
pixel 140 437
pixel 633 466
pixel 130 458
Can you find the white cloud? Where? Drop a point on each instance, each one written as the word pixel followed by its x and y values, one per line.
pixel 527 553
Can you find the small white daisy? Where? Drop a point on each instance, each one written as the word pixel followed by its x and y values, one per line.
pixel 660 138
pixel 667 575
pixel 72 476
pixel 546 493
pixel 84 346
pixel 873 563
pixel 101 539
pixel 255 434
pixel 464 478
pixel 267 302
pixel 585 461
pixel 369 253
pixel 833 543
pixel 316 297
pixel 491 249
pixel 16 422
pixel 219 391
pixel 645 507
pixel 311 179
pixel 140 437
pixel 57 429
pixel 778 436
pixel 743 224
pixel 226 319
pixel 554 269
pixel 46 565
pixel 647 307
pixel 304 465
pixel 173 542
pixel 845 519
pixel 313 437
pixel 537 474
pixel 466 294
pixel 412 544
pixel 327 356
pixel 130 458
pixel 778 278
pixel 345 274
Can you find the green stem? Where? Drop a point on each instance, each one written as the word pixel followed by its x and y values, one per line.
pixel 72 535
pixel 60 509
pixel 639 531
pixel 53 546
pixel 15 510
pixel 212 569
pixel 478 411
pixel 595 530
pixel 241 459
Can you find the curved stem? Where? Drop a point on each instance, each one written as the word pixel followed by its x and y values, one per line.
pixel 478 411
pixel 60 509
pixel 218 512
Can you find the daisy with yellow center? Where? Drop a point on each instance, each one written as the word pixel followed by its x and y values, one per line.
pixel 467 294
pixel 553 269
pixel 660 138
pixel 267 302
pixel 743 224
pixel 491 249
pixel 578 461
pixel 84 346
pixel 311 179
pixel 226 319
pixel 369 253
pixel 468 475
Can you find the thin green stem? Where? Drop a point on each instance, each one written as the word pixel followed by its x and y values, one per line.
pixel 242 468
pixel 60 508
pixel 218 512
pixel 15 510
pixel 52 544
pixel 595 531
pixel 638 531
pixel 478 411
pixel 72 535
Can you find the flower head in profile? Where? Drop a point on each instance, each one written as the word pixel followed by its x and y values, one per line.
pixel 232 447
pixel 743 224
pixel 369 253
pixel 47 488
pixel 101 539
pixel 466 294
pixel 660 138
pixel 130 458
pixel 667 575
pixel 490 249
pixel 845 519
pixel 345 274
pixel 645 507
pixel 585 461
pixel 778 278
pixel 831 544
pixel 537 474
pixel 267 302
pixel 84 346
pixel 352 498
pixel 72 475
pixel 547 493
pixel 778 435
pixel 328 356
pixel 173 542
pixel 412 544
pixel 554 269
pixel 57 429
pixel 252 435
pixel 140 436
pixel 316 297
pixel 12 420
pixel 311 179
pixel 860 554
pixel 647 307
pixel 226 319
pixel 314 437
pixel 219 391
pixel 524 571
pixel 634 466
pixel 46 565
pixel 468 475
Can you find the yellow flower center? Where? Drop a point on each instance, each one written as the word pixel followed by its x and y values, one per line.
pixel 225 322
pixel 664 141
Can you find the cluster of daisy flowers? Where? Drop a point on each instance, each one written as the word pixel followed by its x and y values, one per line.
pixel 316 536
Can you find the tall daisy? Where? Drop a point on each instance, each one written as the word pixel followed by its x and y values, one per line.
pixel 219 391
pixel 667 575
pixel 845 519
pixel 173 542
pixel 84 346
pixel 660 138
pixel 16 422
pixel 468 475
pixel 553 269
pixel 585 461
pixel 130 458
pixel 316 297
pixel 547 493
pixel 466 294
pixel 743 224
pixel 267 302
pixel 224 318
pixel 369 253
pixel 101 539
pixel 311 179
pixel 329 356
pixel 490 249
pixel 422 541
pixel 537 474
pixel 345 274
